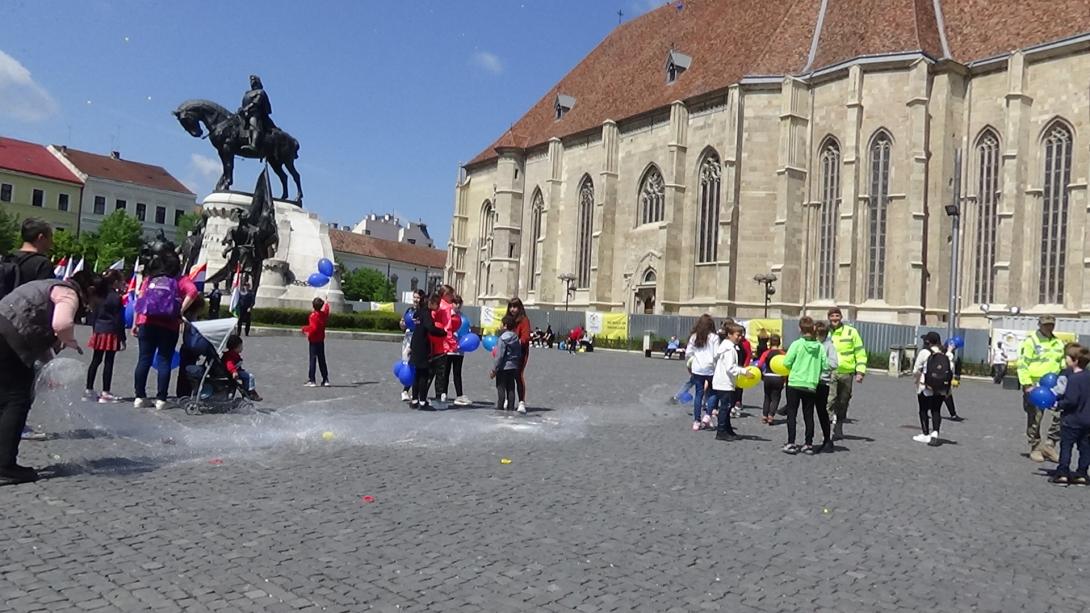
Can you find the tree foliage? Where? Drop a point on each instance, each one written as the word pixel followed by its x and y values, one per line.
pixel 65 244
pixel 185 224
pixel 9 232
pixel 119 236
pixel 367 284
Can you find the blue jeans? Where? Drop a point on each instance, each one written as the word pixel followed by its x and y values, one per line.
pixel 152 339
pixel 724 401
pixel 1070 436
pixel 698 395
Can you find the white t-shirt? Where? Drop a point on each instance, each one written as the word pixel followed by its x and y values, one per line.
pixel 920 369
pixel 703 358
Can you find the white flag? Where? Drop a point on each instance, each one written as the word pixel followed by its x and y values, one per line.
pixel 118 265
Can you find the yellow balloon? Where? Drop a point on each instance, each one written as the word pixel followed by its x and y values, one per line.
pixel 327 436
pixel 750 379
pixel 776 364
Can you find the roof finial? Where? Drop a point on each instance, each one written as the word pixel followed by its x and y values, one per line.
pixel 620 16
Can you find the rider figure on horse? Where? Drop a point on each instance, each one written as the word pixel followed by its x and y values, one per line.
pixel 255 110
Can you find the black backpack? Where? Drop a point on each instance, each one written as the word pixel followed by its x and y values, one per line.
pixel 938 375
pixel 11 272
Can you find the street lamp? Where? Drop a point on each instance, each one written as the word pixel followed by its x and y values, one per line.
pixel 766 280
pixel 954 212
pixel 569 286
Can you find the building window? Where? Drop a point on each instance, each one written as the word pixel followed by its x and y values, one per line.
pixel 828 215
pixel 120 205
pixel 178 214
pixel 62 202
pixel 37 198
pixel 100 205
pixel 676 63
pixel 160 214
pixel 141 211
pixel 484 244
pixel 412 241
pixel 708 230
pixel 586 232
pixel 413 284
pixel 5 192
pixel 1058 145
pixel 987 151
pixel 562 105
pixel 652 197
pixel 877 208
pixel 393 282
pixel 537 205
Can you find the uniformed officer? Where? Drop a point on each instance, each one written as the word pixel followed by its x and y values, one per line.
pixel 1040 354
pixel 851 366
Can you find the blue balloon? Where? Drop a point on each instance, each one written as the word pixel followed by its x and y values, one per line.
pixel 130 314
pixel 407 374
pixel 1049 381
pixel 1042 398
pixel 397 367
pixel 956 341
pixel 317 280
pixel 685 397
pixel 175 360
pixel 410 325
pixel 489 342
pixel 465 328
pixel 325 267
pixel 469 343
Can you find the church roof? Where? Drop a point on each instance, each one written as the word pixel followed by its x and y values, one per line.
pixel 114 168
pixel 369 246
pixel 33 159
pixel 728 40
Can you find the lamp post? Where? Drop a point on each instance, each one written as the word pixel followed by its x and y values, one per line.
pixel 954 211
pixel 766 280
pixel 569 287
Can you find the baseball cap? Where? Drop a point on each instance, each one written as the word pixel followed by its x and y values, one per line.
pixel 1046 319
pixel 932 338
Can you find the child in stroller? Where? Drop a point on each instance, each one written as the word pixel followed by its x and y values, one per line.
pixel 214 388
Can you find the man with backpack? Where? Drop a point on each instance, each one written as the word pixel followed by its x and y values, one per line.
pixel 934 373
pixel 31 261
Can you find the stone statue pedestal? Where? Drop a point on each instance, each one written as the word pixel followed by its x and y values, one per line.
pixel 304 240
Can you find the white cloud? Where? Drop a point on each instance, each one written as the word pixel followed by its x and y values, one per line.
pixel 208 168
pixel 20 97
pixel 489 62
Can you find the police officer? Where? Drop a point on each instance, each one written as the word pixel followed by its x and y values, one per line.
pixel 851 366
pixel 1040 354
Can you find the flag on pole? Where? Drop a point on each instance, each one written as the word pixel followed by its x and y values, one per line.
pixel 77 268
pixel 118 265
pixel 61 268
pixel 68 270
pixel 236 284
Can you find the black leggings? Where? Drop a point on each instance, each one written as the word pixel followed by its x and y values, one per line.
pixel 794 397
pixel 505 389
pixel 949 402
pixel 106 358
pixel 821 404
pixel 773 391
pixel 441 373
pixel 454 365
pixel 932 405
pixel 420 384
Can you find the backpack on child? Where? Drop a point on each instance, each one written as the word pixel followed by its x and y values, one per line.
pixel 939 374
pixel 160 298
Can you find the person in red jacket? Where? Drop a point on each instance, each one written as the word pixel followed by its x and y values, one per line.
pixel 522 330
pixel 232 359
pixel 315 333
pixel 441 346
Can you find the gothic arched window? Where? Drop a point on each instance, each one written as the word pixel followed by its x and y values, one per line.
pixel 987 152
pixel 828 215
pixel 1058 146
pixel 877 209
pixel 652 197
pixel 585 232
pixel 708 230
pixel 537 205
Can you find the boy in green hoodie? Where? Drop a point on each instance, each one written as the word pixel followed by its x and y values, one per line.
pixel 806 359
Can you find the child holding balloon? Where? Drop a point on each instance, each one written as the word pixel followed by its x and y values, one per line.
pixel 770 369
pixel 420 349
pixel 1074 407
pixel 724 381
pixel 315 333
pixel 406 325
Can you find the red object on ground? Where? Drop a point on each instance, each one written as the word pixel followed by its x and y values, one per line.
pixel 368 499
pixel 215 461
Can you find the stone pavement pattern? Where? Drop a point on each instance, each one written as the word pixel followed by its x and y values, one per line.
pixel 609 503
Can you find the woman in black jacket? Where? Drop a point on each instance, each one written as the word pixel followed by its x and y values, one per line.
pixel 420 351
pixel 107 338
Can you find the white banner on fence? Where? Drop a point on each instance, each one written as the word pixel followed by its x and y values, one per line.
pixel 593 323
pixel 1008 342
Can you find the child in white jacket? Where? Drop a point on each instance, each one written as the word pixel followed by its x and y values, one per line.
pixel 727 370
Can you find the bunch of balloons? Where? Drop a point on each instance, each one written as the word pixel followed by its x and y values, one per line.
pixel 404 372
pixel 325 272
pixel 1042 396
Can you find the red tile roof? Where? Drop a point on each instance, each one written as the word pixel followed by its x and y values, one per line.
pixel 33 159
pixel 361 244
pixel 124 171
pixel 624 76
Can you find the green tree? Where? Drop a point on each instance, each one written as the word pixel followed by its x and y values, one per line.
pixel 119 236
pixel 65 244
pixel 9 232
pixel 185 224
pixel 367 284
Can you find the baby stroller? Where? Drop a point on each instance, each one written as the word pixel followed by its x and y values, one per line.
pixel 214 390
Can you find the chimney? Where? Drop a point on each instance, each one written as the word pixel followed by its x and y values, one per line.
pixel 64 148
pixel 115 155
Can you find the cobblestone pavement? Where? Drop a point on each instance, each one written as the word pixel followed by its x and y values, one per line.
pixel 609 502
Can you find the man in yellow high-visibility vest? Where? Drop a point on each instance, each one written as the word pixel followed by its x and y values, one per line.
pixel 851 366
pixel 1040 354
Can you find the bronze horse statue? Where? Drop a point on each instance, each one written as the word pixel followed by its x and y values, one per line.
pixel 227 133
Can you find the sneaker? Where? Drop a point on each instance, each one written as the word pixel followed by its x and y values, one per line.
pixel 425 406
pixel 325 384
pixel 826 447
pixel 141 403
pixel 727 436
pixel 161 405
pixel 90 395
pixel 956 417
pixel 1059 479
pixel 838 431
pixel 443 398
pixel 1036 455
pixel 462 401
pixel 255 397
pixel 522 407
pixel 808 449
pixel 18 474
pixel 107 398
pixel 29 434
pixel 922 438
pixel 935 440
pixel 790 449
pixel 706 421
pixel 1049 452
pixel 413 404
pixel 313 384
pixel 735 412
pixel 696 426
pixel 405 397
pixel 1079 480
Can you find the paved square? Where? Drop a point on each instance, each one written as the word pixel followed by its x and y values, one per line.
pixel 609 502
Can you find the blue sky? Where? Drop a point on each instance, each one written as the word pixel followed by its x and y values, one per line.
pixel 386 98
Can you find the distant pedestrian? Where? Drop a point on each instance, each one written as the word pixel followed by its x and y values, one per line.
pixel 246 302
pixel 955 365
pixel 214 299
pixel 315 333
pixel 933 374
pixel 506 369
pixel 999 363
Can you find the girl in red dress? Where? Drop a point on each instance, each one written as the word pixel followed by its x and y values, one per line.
pixel 107 338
